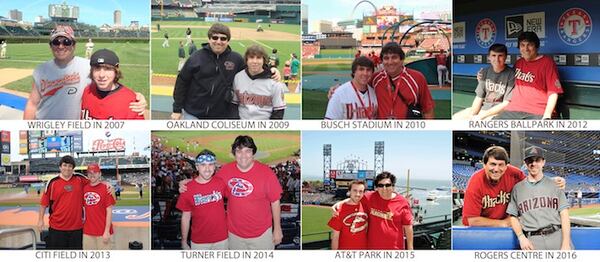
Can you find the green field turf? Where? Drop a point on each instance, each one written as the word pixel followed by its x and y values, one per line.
pixel 586 211
pixel 134 59
pixel 288 28
pixel 338 52
pixel 314 220
pixel 165 60
pixel 129 197
pixel 271 148
pixel 314 105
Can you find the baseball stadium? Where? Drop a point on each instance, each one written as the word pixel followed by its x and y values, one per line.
pixel 329 49
pixel 270 24
pixel 27 47
pixel 566 34
pixel 123 164
pixel 571 155
pixel 429 197
pixel 173 155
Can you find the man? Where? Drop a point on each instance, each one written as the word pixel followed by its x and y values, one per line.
pixel 350 223
pixel 253 210
pixel 494 90
pixel 257 95
pixel 188 36
pixel 488 192
pixel 64 197
pixel 181 55
pixel 401 92
pixel 204 87
pixel 203 203
pixel 89 48
pixel 105 98
pixel 192 48
pixel 355 99
pixel 442 70
pixel 537 85
pixel 294 66
pixel 274 58
pixel 98 204
pixel 3 49
pixel 165 43
pixel 539 211
pixel 58 84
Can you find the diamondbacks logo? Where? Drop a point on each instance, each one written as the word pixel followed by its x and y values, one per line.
pixel 485 32
pixel 229 65
pixel 357 221
pixel 91 198
pixel 574 26
pixel 240 187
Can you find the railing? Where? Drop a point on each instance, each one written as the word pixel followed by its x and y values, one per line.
pixel 21 230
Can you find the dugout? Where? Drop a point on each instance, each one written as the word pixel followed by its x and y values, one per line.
pixel 566 33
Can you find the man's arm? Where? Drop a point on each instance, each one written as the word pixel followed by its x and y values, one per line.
pixel 277 233
pixel 41 213
pixel 523 241
pixel 550 105
pixel 32 104
pixel 185 229
pixel 476 106
pixel 335 240
pixel 408 231
pixel 277 114
pixel 494 110
pixel 565 223
pixel 488 222
pixel 428 114
pixel 106 235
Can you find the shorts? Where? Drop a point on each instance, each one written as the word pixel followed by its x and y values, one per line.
pixel 516 115
pixel 96 243
pixel 64 239
pixel 221 245
pixel 262 242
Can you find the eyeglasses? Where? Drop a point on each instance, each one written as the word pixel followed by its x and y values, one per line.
pixel 222 38
pixel 65 42
pixel 385 185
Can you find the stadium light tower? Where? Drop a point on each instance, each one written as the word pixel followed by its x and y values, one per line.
pixel 326 160
pixel 379 152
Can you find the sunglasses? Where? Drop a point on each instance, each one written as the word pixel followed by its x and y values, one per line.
pixel 222 38
pixel 64 42
pixel 385 185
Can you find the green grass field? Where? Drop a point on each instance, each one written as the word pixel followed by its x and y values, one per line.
pixel 314 220
pixel 273 146
pixel 129 197
pixel 165 60
pixel 134 59
pixel 586 211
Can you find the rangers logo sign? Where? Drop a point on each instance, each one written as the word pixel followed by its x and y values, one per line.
pixel 485 33
pixel 240 187
pixel 91 198
pixel 574 26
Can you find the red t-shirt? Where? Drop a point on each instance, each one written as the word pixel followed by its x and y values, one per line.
pixel 113 106
pixel 352 223
pixel 205 202
pixel 250 196
pixel 386 218
pixel 411 84
pixel 535 81
pixel 441 59
pixel 482 199
pixel 66 211
pixel 95 201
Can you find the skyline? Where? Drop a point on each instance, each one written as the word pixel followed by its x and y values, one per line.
pixel 90 12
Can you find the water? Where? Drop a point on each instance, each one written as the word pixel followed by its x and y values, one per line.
pixel 441 206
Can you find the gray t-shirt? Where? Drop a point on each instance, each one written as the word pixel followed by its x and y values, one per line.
pixel 537 204
pixel 61 88
pixel 495 87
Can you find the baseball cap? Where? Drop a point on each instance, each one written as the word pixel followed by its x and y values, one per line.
pixel 533 151
pixel 104 56
pixel 62 30
pixel 93 168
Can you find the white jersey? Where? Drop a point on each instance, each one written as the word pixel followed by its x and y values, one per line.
pixel 61 88
pixel 89 46
pixel 346 103
pixel 257 98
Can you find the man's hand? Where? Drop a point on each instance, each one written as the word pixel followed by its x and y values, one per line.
pixel 332 90
pixel 560 182
pixel 140 105
pixel 277 236
pixel 182 185
pixel 525 243
pixel 40 225
pixel 480 75
pixel 106 237
pixel 565 246
pixel 184 245
pixel 176 116
pixel 275 75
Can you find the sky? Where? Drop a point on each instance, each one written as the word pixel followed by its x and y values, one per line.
pixel 428 154
pixel 322 10
pixel 93 12
pixel 140 138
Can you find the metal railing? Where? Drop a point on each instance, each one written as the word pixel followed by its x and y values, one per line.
pixel 21 230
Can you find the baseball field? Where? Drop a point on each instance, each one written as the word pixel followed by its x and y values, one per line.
pixel 16 70
pixel 283 37
pixel 273 146
pixel 314 223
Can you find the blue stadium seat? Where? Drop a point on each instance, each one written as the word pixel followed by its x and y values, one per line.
pixel 13 101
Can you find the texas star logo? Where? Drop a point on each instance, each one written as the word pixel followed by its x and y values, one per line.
pixel 91 198
pixel 575 26
pixel 240 187
pixel 485 32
